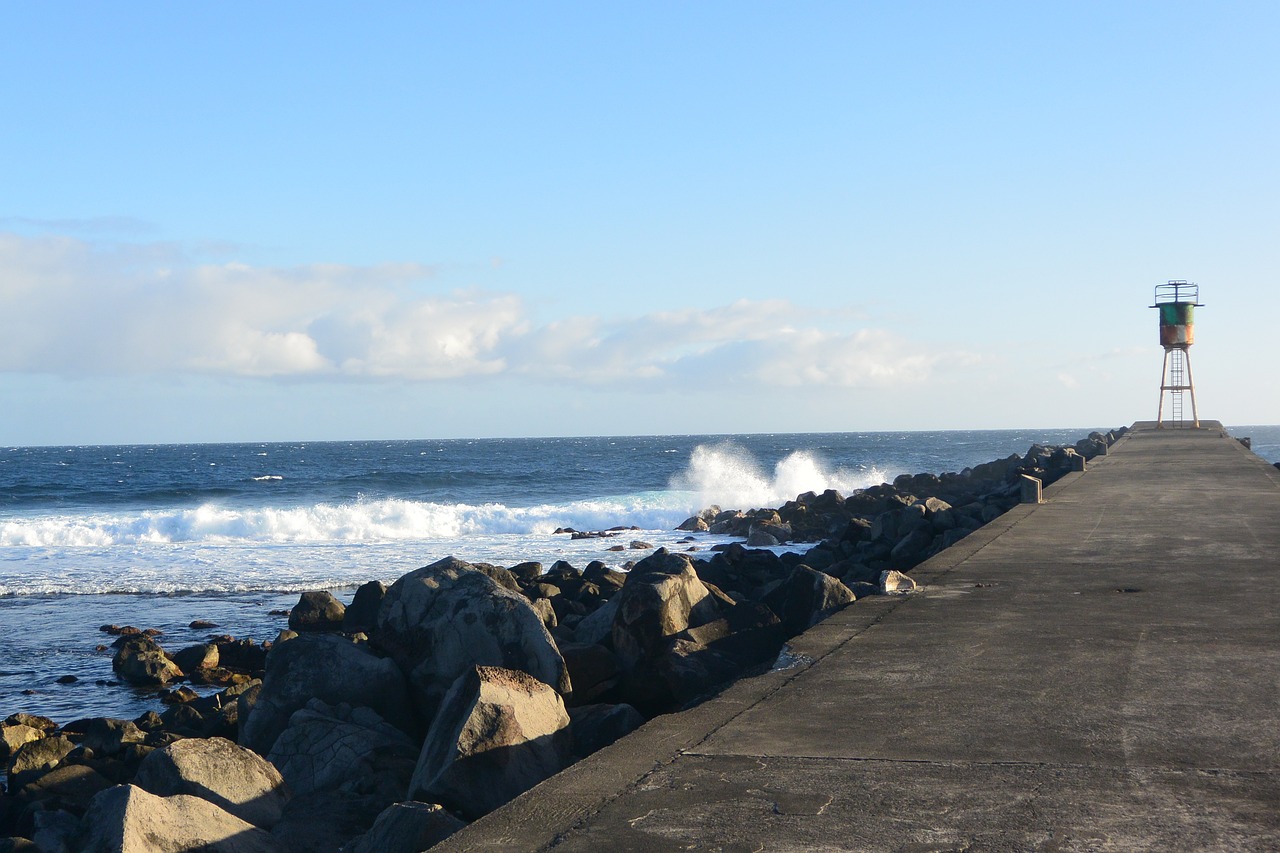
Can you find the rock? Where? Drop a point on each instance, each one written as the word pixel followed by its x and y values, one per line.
pixel 34 759
pixel 662 597
pixel 408 828
pixel 757 538
pixel 546 612
pixel 128 819
pixel 330 668
pixel 108 737
pixel 337 747
pixel 593 668
pixel 494 738
pixel 895 581
pixel 55 830
pixel 19 845
pixel 443 619
pixel 593 727
pixel 694 524
pixel 73 785
pixel 808 596
pixel 362 613
pixel 231 777
pixel 140 661
pixel 44 724
pixel 200 656
pixel 597 626
pixel 316 610
pixel 202 625
pixel 14 737
pixel 324 821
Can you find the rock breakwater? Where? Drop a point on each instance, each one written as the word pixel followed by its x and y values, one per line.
pixel 387 723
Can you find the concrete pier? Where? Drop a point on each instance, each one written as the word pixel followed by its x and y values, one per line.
pixel 1097 672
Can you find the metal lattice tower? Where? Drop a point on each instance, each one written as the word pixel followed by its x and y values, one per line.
pixel 1176 301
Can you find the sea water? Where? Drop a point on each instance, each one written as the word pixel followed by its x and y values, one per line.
pixel 157 536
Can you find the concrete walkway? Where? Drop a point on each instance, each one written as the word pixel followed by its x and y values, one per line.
pixel 1100 672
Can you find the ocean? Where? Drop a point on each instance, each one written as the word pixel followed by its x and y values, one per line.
pixel 157 536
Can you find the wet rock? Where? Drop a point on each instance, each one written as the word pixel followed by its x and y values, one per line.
pixel 197 657
pixel 140 660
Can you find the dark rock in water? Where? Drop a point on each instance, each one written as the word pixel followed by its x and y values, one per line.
pixel 67 679
pixel 201 656
pixel 494 737
pixel 694 524
pixel 443 619
pixel 127 817
pixel 202 624
pixel 362 613
pixel 330 668
pixel 217 770
pixel 242 655
pixel 408 828
pixel 140 661
pixel 316 610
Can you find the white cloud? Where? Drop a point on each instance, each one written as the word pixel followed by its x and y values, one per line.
pixel 72 308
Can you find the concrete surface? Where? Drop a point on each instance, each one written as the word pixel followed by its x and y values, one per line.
pixel 1099 672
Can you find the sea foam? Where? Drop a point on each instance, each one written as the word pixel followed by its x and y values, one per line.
pixel 728 476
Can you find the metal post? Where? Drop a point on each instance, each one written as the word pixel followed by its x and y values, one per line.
pixel 1191 385
pixel 1164 370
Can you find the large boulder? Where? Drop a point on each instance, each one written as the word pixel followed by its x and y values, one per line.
pixel 231 777
pixel 327 667
pixel 497 735
pixel 662 597
pixel 325 821
pixel 407 828
pixel 808 596
pixel 316 610
pixel 446 618
pixel 14 737
pixel 128 819
pixel 337 747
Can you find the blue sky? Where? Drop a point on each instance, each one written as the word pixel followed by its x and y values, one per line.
pixel 309 221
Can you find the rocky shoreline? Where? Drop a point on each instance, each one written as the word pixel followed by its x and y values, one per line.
pixel 387 723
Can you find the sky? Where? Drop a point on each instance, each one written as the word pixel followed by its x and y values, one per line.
pixel 306 221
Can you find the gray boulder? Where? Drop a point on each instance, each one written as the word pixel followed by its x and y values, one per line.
pixel 446 618
pixel 662 597
pixel 316 610
pixel 327 667
pixel 14 737
pixel 337 747
pixel 407 828
pixel 894 581
pixel 494 738
pixel 231 777
pixel 128 819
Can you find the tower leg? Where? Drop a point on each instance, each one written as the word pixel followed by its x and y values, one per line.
pixel 1191 386
pixel 1164 370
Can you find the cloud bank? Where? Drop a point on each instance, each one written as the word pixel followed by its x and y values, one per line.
pixel 74 308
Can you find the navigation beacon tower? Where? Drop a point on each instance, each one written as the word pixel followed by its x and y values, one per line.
pixel 1176 301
